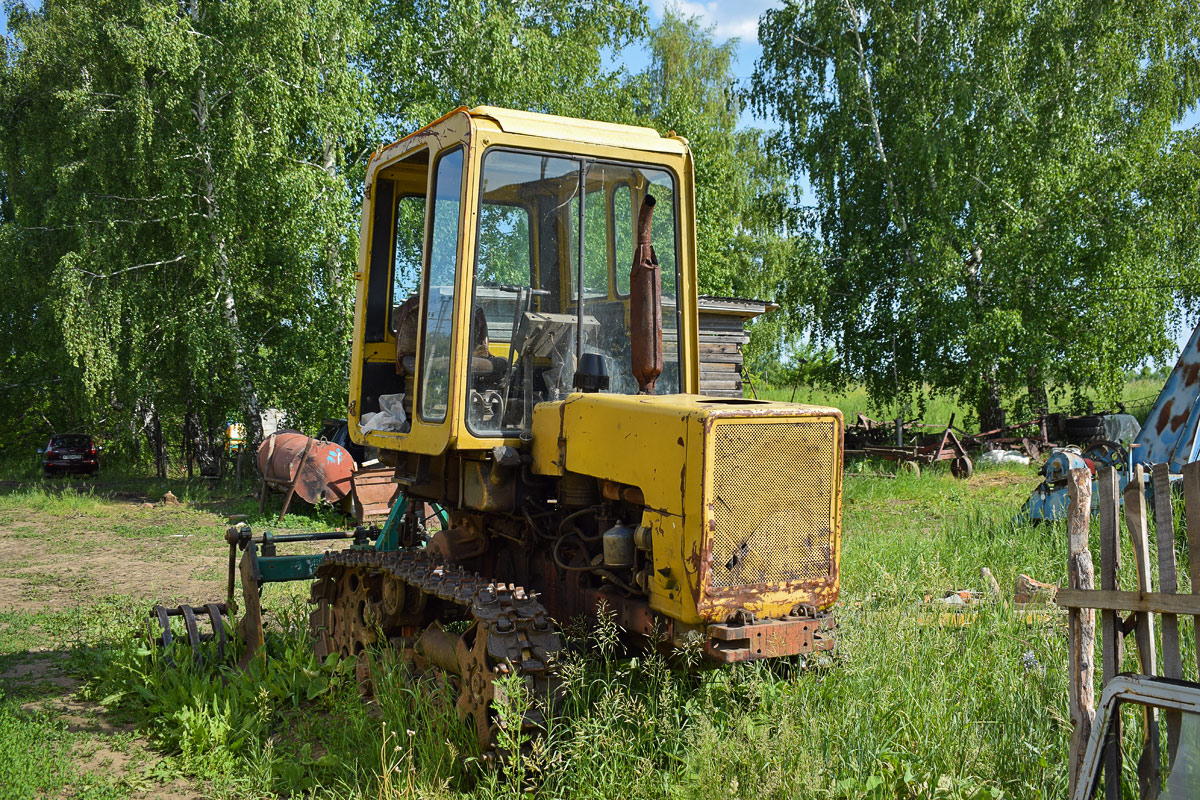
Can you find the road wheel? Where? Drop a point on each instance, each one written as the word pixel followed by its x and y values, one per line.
pixel 961 467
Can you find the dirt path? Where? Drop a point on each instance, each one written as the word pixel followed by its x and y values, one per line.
pixel 71 557
pixel 61 563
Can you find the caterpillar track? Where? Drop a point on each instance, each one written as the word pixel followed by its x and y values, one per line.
pixel 397 601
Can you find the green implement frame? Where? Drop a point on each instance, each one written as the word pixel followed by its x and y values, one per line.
pixel 260 567
pixel 267 566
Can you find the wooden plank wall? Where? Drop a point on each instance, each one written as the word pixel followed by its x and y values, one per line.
pixel 721 339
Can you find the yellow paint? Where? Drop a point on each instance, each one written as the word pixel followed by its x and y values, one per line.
pixel 659 444
pixel 477 130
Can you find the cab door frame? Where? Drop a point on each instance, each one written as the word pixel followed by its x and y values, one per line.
pixel 424 437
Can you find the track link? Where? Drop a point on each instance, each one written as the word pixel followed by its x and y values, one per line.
pixel 362 597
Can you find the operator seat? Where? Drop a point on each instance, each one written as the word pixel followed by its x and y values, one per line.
pixel 486 369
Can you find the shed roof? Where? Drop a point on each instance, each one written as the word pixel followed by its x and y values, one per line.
pixel 735 306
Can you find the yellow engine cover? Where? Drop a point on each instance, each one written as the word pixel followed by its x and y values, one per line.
pixel 743 497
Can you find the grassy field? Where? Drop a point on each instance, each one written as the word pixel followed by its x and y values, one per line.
pixel 904 709
pixel 1138 394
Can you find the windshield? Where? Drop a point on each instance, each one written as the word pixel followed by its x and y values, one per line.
pixel 525 321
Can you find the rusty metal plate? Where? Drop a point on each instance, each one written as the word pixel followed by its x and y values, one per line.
pixel 772 638
pixel 375 489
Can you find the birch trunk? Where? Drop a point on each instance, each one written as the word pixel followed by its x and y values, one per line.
pixel 251 411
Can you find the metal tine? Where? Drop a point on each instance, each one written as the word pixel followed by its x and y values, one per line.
pixel 218 625
pixel 216 615
pixel 164 622
pixel 193 632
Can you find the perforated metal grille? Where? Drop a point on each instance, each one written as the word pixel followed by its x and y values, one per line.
pixel 770 502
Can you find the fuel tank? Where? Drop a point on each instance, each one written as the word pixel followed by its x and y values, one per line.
pixel 321 470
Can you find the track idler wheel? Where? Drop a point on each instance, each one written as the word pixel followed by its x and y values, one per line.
pixel 162 634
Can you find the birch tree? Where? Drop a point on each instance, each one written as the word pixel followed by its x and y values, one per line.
pixel 1005 205
pixel 175 175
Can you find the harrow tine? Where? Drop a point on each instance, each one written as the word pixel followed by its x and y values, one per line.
pixel 193 632
pixel 216 615
pixel 218 625
pixel 164 623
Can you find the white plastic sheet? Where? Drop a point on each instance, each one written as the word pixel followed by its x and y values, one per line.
pixel 391 416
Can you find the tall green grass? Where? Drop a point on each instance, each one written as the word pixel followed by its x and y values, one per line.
pixel 903 709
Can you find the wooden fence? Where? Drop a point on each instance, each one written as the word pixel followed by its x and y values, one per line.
pixel 1125 612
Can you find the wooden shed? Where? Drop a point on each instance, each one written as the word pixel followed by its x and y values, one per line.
pixel 722 336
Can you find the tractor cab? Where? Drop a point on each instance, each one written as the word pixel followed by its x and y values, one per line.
pixel 496 249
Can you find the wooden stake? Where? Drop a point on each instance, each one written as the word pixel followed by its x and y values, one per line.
pixel 1135 520
pixel 1191 499
pixel 1112 639
pixel 1168 583
pixel 1081 622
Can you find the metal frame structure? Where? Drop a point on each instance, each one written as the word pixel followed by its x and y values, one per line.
pixel 1162 694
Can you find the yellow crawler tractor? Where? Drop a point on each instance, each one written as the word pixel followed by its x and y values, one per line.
pixel 525 356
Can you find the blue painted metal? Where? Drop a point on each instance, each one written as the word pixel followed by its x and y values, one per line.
pixel 1168 437
pixel 1049 500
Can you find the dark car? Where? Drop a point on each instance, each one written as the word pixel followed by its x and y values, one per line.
pixel 70 452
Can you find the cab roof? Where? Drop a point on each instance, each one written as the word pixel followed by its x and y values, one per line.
pixel 588 131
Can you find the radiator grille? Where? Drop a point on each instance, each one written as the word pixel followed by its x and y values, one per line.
pixel 771 502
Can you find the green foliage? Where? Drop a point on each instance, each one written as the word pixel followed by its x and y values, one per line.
pixel 1003 201
pixel 215 719
pixel 183 242
pixel 746 238
pixel 430 56
pixel 34 752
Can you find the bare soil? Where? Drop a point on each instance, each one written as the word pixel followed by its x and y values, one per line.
pixel 55 562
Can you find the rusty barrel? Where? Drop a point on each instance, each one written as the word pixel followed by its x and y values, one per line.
pixel 322 470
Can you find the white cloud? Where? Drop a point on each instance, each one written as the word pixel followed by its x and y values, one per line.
pixel 730 18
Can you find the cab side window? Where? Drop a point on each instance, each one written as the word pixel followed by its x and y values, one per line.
pixel 406 250
pixel 439 286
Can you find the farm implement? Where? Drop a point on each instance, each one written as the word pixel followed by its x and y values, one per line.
pixel 1170 436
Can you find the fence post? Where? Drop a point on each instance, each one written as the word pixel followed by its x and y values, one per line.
pixel 1168 582
pixel 1112 639
pixel 1081 622
pixel 1191 500
pixel 1135 520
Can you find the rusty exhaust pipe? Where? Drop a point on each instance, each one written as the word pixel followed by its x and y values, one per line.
pixel 645 305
